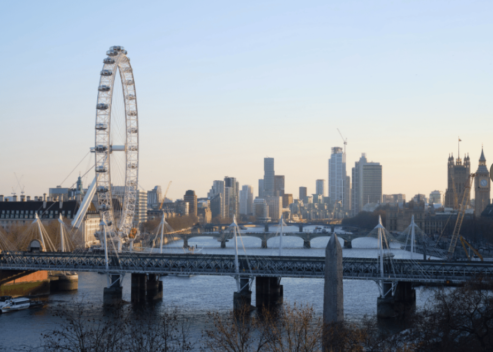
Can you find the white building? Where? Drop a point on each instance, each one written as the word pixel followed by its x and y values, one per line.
pixel 337 175
pixel 275 207
pixel 246 200
pixel 154 197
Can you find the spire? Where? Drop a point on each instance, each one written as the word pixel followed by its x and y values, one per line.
pixel 482 158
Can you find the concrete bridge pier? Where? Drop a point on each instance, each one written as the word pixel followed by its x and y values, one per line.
pixel 348 244
pixel 243 299
pixel 266 228
pixel 185 242
pixel 113 295
pixel 138 287
pixel 300 228
pixel 268 291
pixel 306 243
pixel 154 288
pixel 332 229
pixel 392 306
pixel 264 242
pixel 223 244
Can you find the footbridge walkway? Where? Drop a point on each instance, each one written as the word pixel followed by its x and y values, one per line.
pixel 398 270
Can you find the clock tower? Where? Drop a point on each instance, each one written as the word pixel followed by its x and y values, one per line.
pixel 481 186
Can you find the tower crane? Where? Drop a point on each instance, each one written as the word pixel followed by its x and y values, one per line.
pixel 165 193
pixel 458 223
pixel 344 140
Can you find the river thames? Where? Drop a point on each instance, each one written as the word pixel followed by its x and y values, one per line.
pixel 195 296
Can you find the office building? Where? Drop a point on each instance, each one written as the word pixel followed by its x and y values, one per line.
pixel 278 185
pixel 275 207
pixel 303 193
pixel 436 197
pixel 261 209
pixel 269 176
pixel 219 209
pixel 394 199
pixel 320 187
pixel 246 200
pixel 367 184
pixel 287 200
pixel 261 190
pixel 191 199
pixel 337 175
pixel 140 216
pixel 154 197
pixel 231 197
pixel 347 194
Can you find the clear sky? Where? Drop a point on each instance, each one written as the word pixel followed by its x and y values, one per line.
pixel 223 84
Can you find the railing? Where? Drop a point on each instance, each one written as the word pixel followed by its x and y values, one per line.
pixel 201 264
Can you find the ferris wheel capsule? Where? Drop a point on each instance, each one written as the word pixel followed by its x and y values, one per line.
pixel 106 128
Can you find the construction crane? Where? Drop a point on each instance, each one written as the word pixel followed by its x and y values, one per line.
pixel 344 140
pixel 19 183
pixel 458 224
pixel 165 193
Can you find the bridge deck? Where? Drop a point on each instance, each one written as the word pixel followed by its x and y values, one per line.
pixel 419 271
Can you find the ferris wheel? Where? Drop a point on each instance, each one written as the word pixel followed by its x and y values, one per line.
pixel 117 144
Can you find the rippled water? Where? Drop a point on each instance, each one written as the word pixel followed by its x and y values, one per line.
pixel 197 295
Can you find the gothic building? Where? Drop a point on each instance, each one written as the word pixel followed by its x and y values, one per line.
pixel 458 176
pixel 481 186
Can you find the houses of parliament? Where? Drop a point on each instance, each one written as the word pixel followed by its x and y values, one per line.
pixel 458 176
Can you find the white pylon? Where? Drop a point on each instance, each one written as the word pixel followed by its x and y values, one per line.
pixel 38 222
pixel 281 224
pixel 62 242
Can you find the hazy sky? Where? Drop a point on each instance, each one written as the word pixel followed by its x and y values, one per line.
pixel 223 84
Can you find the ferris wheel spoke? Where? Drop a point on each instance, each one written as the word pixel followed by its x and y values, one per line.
pixel 116 143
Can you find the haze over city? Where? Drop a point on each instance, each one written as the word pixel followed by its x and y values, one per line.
pixel 222 85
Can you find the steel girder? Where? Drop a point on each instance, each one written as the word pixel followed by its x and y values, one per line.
pixel 271 266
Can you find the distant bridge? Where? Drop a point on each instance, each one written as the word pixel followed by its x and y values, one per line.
pixel 224 237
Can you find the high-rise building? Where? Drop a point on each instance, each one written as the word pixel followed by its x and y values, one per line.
pixel 275 207
pixel 261 190
pixel 191 199
pixel 347 194
pixel 458 177
pixel 217 206
pixel 140 209
pixel 154 197
pixel 246 200
pixel 367 184
pixel 269 176
pixel 303 193
pixel 287 200
pixel 278 185
pixel 337 175
pixel 218 188
pixel 320 187
pixel 232 197
pixel 482 186
pixel 261 209
pixel 435 197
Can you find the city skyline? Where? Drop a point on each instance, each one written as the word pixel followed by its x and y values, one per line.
pixel 432 76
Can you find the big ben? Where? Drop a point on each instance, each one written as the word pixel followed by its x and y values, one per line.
pixel 481 186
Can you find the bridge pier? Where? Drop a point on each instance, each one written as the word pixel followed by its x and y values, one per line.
pixel 348 244
pixel 113 295
pixel 223 244
pixel 138 287
pixel 243 299
pixel 154 288
pixel 185 242
pixel 264 242
pixel 392 306
pixel 266 228
pixel 307 244
pixel 300 228
pixel 268 292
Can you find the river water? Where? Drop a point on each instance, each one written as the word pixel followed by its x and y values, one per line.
pixel 194 297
